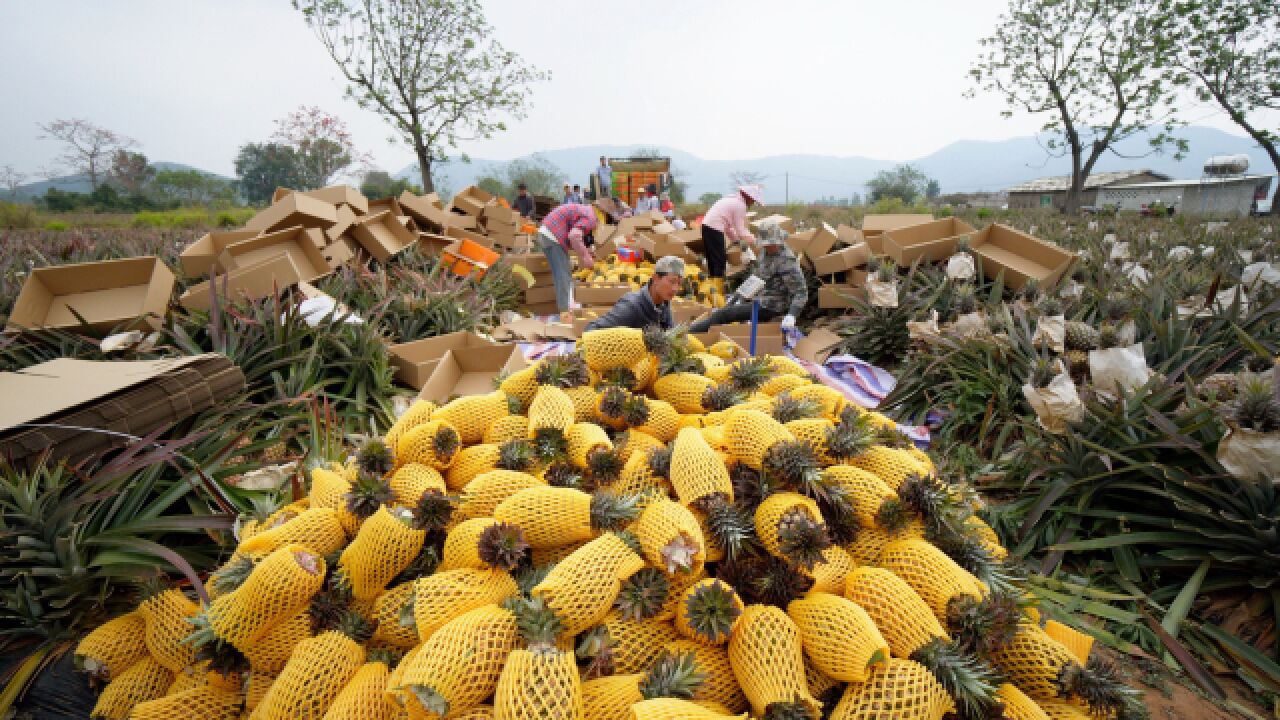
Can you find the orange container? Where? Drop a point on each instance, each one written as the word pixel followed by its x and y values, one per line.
pixel 469 258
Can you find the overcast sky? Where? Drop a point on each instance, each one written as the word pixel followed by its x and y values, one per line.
pixel 192 80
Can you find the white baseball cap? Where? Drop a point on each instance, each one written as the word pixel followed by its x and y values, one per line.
pixel 755 192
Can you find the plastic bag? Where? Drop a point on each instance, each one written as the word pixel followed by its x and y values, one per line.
pixel 750 287
pixel 960 267
pixel 1070 289
pixel 318 309
pixel 1120 251
pixel 882 294
pixel 1051 332
pixel 925 329
pixel 1266 273
pixel 970 325
pixel 1250 455
pixel 1137 274
pixel 1056 406
pixel 1124 368
pixel 1179 252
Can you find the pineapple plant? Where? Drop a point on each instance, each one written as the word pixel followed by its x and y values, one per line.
pixel 1257 404
pixel 672 675
pixel 707 611
pixel 540 681
pixel 554 516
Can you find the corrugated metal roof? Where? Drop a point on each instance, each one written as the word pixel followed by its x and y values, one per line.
pixel 1206 181
pixel 1060 183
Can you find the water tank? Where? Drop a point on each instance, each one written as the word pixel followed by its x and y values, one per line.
pixel 1226 165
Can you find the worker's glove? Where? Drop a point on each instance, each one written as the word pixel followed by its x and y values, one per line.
pixel 788 322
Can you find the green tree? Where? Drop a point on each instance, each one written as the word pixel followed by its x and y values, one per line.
pixel 429 67
pixel 130 170
pixel 191 187
pixel 539 174
pixel 378 184
pixel 708 198
pixel 1228 53
pixel 1089 66
pixel 263 167
pixel 932 189
pixel 905 182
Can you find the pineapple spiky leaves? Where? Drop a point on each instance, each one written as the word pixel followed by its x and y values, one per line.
pixel 595 652
pixel 979 626
pixel 564 475
pixel 643 594
pixel 503 546
pixel 1257 404
pixel 672 675
pixel 613 400
pixel 796 709
pixel 233 574
pixel 549 444
pixel 433 511
pixel 748 374
pixel 721 397
pixel 1100 686
pixel 537 623
pixel 613 512
pixel 728 525
pixel 562 371
pixel 801 538
pixel 375 458
pixel 971 682
pixel 369 492
pixel 680 358
pixel 1042 372
pixel 660 461
pixel 712 608
pixel 851 437
pixel 222 656
pixel 515 455
pixel 604 465
pixel 787 407
pixel 794 464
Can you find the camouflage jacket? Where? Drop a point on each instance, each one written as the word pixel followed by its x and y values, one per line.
pixel 784 288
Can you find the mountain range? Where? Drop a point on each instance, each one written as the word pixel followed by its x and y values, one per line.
pixel 80 183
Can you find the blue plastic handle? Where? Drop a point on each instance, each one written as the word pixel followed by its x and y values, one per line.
pixel 755 324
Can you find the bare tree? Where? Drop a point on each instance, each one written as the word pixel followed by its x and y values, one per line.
pixel 87 148
pixel 745 177
pixel 11 178
pixel 429 67
pixel 324 146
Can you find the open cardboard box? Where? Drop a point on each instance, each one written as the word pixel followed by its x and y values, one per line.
pixel 841 260
pixel 1021 257
pixel 340 252
pixel 599 294
pixel 798 242
pixel 299 243
pixel 340 195
pixel 684 312
pixel 346 218
pixel 433 244
pixel 816 346
pixel 383 235
pixel 472 200
pixel 107 295
pixel 534 330
pixel 199 257
pixel 838 296
pixel 252 282
pixel 459 374
pixel 873 226
pixel 927 242
pixel 769 339
pixel 426 209
pixel 824 238
pixel 294 209
pixel 414 360
pixel 458 233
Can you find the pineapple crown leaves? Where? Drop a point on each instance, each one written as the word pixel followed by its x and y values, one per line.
pixel 223 657
pixel 836 506
pixel 775 582
pixel 748 374
pixel 721 397
pixel 502 545
pixel 643 594
pixel 610 511
pixel 515 455
pixel 604 465
pixel 1108 336
pixel 563 371
pixel 564 475
pixel 629 539
pixel 980 626
pixel 431 700
pixel 680 358
pixel 801 538
pixel 788 407
pixel 594 652
pixel 407 616
pixel 549 444
pixel 971 682
pixel 1100 685
pixel 329 606
pixel 369 492
pixel 1031 290
pixel 434 510
pixel 375 458
pixel 635 411
pixel 928 496
pixel 659 341
pixel 794 709
pixel 426 561
pixel 356 626
pixel 794 464
pixel 1051 305
pixel 1257 404
pixel 386 655
pixel 712 609
pixel 613 401
pixel 660 461
pixel 1043 371
pixel 852 436
pixel 537 623
pixel 728 525
pixel 619 377
pixel 673 675
pixel 446 442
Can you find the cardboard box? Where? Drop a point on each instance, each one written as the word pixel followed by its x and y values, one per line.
pixel 535 262
pixel 458 374
pixel 842 260
pixel 501 214
pixel 816 347
pixel 684 312
pixel 472 200
pixel 340 252
pixel 252 282
pixel 292 210
pixel 432 244
pixel 461 221
pixel 599 295
pixel 824 238
pixel 426 209
pixel 298 243
pixel 340 195
pixel 346 218
pixel 927 242
pixel 769 339
pixel 1000 248
pixel 837 296
pixel 534 330
pixel 849 235
pixel 540 294
pixel 383 235
pixel 199 257
pixel 799 241
pixel 876 224
pixel 414 360
pixel 458 233
pixel 389 204
pixel 784 222
pixel 107 295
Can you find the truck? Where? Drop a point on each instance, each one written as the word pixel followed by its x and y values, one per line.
pixel 632 174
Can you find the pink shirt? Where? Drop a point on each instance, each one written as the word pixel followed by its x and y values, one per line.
pixel 729 216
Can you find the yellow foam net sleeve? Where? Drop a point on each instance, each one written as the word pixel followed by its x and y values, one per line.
pixel 770 511
pixel 813 431
pixel 470 462
pixel 817 681
pixel 892 465
pixel 750 433
pixel 257 686
pixel 725 349
pixel 461 662
pixel 271 651
pixel 934 576
pixel 839 637
pixel 385 545
pixel 866 490
pixel 714 437
pixel 386 613
pixel 634 442
pixel 829 575
pixel 142 681
pixel 419 412
pixel 684 617
pixel 473 414
pixel 610 697
pixel 549 516
pixel 521 384
pixel 612 347
pixel 479 712
pixel 329 489
pixel 113 646
pixel 663 524
pixel 767 658
pixel 534 686
pixel 675 709
pixel 831 400
pixel 582 588
pixel 683 390
pixel 1077 642
pixel 719 686
pixel 462 545
pixel 201 703
pixel 1017 706
pixel 317 529
pixel 1062 710
pixel 677 585
pixel 784 364
pixel 281 585
pixel 646 371
pixel 636 477
pixel 168 622
pixel 483 495
pixel 316 672
pixel 410 481
pixel 1033 661
pixel 583 437
pixel 779 384
pixel 419 445
pixel 509 427
pixel 663 421
pixel 553 555
pixel 444 596
pixel 550 409
pixel 696 471
pixel 709 359
pixel 899 689
pixel 184 681
pixel 903 619
pixel 364 697
pixel 584 399
pixel 637 643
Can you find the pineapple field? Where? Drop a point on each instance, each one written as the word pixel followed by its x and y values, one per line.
pixel 654 527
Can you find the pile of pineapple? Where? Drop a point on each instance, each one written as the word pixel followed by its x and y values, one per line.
pixel 698 286
pixel 645 529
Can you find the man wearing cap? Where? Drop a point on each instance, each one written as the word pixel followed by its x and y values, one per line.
pixel 784 293
pixel 648 199
pixel 727 220
pixel 523 202
pixel 651 304
pixel 565 229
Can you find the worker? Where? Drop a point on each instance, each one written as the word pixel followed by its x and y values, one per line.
pixel 523 202
pixel 666 207
pixel 566 228
pixel 604 178
pixel 784 292
pixel 726 220
pixel 648 199
pixel 567 195
pixel 651 304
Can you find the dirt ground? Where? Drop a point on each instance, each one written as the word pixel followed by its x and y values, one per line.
pixel 1171 696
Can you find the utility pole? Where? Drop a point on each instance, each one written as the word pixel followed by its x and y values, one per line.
pixel 787 184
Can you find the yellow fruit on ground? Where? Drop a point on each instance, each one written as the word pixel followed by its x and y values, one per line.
pixel 903 619
pixel 458 666
pixel 472 415
pixel 386 613
pixel 549 516
pixel 482 495
pixel 411 480
pixel 897 689
pixel 839 637
pixel 767 658
pixel 386 543
pixel 674 709
pixel 696 471
pixel 419 412
pixel 270 652
pixel 443 596
pixel 671 537
pixel 506 428
pixel 683 390
pixel 316 672
pixel 113 646
pixel 581 588
pixel 142 681
pixel 891 465
pixel 1077 642
pixel 318 529
pixel 434 443
pixel 934 576
pixel 279 586
pixel 637 643
pixel 750 433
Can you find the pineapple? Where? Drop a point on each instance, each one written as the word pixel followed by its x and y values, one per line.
pixel 590 449
pixel 897 689
pixel 412 480
pixel 271 651
pixel 522 384
pixel 370 492
pixel 750 374
pixel 317 671
pixel 144 680
pixel 1046 669
pixel 112 647
pixel 707 612
pixel 457 666
pixel 385 545
pixel 554 516
pixel 471 416
pixel 671 537
pixel 637 643
pixel 376 458
pixel 750 434
pixel 767 658
pixel 684 390
pixel 318 529
pixel 469 462
pixel 935 577
pixel 562 371
pixel 434 443
pixel 168 621
pixel 201 702
pixel 551 414
pixel 701 482
pixel 901 616
pixel 1017 706
pixel 790 527
pixel 661 421
pixel 583 586
pixel 672 675
pixel 541 681
pixel 1077 642
pixel 839 638
pixel 622 347
pixel 677 709
pixel 364 696
pixel 792 405
pixel 390 631
pixel 644 594
pixel 482 495
pixel 444 596
pixel 419 412
pixel 1257 404
pixel 506 429
pixel 1080 336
